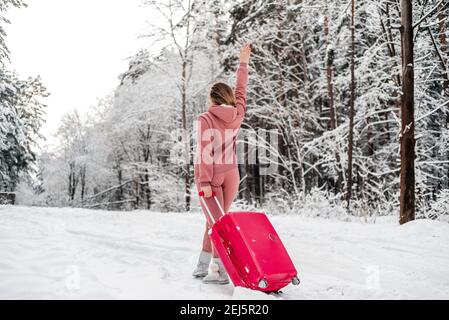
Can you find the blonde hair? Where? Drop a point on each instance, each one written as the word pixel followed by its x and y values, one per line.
pixel 221 93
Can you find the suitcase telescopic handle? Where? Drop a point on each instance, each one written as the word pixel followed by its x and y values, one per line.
pixel 203 201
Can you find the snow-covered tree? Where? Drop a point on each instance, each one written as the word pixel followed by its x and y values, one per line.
pixel 21 115
pixel 326 82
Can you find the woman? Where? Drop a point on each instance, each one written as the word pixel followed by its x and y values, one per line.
pixel 216 169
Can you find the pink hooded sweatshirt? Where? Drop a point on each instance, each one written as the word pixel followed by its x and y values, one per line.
pixel 217 131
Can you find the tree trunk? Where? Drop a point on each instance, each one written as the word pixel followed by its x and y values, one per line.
pixel 72 181
pixel 330 94
pixel 351 107
pixel 146 155
pixel 186 137
pixel 83 181
pixel 329 71
pixel 392 52
pixel 120 181
pixel 442 17
pixel 136 193
pixel 444 47
pixel 147 189
pixel 407 180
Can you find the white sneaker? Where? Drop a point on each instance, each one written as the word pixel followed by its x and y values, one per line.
pixel 201 269
pixel 216 273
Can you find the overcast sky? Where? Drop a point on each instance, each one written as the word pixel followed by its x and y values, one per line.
pixel 79 47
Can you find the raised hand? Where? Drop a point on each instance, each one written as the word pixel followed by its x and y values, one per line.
pixel 245 53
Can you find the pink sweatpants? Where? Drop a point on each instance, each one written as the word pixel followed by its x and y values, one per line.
pixel 225 186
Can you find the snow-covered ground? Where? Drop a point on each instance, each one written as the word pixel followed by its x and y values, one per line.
pixel 48 253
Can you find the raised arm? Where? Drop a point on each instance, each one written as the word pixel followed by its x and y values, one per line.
pixel 242 80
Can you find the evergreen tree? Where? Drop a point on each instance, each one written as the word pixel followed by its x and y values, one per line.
pixel 21 115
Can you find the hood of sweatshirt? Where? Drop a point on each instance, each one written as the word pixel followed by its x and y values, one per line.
pixel 223 112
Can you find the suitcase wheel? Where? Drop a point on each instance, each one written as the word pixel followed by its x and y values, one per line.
pixel 296 281
pixel 262 284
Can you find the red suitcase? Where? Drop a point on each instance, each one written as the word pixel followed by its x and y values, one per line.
pixel 251 250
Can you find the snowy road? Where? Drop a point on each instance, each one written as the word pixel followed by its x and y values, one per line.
pixel 48 253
